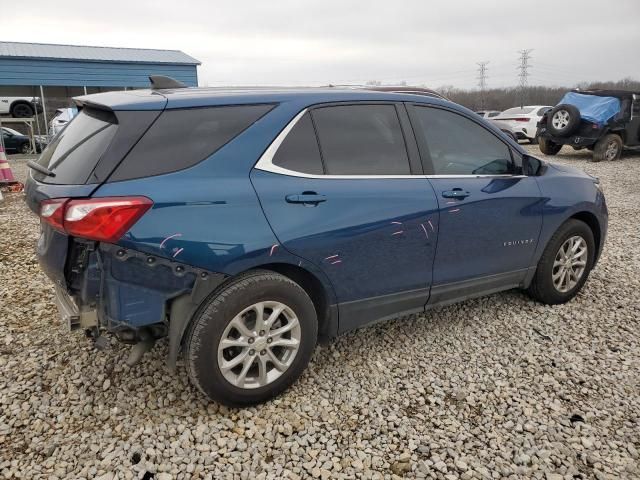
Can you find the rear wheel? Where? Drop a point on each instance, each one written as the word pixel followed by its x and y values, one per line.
pixel 565 264
pixel 608 148
pixel 22 110
pixel 548 147
pixel 251 340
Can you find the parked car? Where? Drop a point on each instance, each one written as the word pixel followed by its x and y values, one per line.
pixel 245 226
pixel 522 121
pixel 488 113
pixel 60 119
pixel 16 142
pixel 20 107
pixel 604 121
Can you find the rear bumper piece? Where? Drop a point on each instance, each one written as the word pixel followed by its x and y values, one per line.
pixel 67 308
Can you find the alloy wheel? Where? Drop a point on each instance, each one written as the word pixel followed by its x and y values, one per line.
pixel 612 150
pixel 569 264
pixel 259 344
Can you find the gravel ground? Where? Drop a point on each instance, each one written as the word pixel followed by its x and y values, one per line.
pixel 497 387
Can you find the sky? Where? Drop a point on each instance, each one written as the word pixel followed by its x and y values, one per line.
pixel 420 42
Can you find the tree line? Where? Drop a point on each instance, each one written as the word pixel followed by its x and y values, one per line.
pixel 503 98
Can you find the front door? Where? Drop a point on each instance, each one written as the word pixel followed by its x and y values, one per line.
pixel 633 127
pixel 490 214
pixel 347 200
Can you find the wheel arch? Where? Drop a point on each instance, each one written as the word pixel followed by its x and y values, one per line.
pixel 182 310
pixel 592 222
pixel 20 102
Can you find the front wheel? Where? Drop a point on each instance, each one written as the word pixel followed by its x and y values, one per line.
pixel 565 264
pixel 252 339
pixel 25 149
pixel 548 147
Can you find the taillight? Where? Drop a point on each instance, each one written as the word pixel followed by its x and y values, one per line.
pixel 52 212
pixel 103 219
pixel 522 119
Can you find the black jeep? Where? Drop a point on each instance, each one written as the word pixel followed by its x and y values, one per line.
pixel 604 121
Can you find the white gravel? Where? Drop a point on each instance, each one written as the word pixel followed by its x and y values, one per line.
pixel 497 387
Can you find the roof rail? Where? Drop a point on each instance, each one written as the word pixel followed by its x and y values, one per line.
pixel 162 81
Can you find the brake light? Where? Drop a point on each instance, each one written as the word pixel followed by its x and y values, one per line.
pixel 102 219
pixel 52 212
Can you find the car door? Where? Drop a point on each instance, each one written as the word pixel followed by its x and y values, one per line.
pixel 633 127
pixel 490 213
pixel 9 141
pixel 352 201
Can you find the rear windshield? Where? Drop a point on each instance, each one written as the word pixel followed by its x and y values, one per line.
pixel 517 110
pixel 76 150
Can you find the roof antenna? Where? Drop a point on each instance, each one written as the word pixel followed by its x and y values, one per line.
pixel 162 81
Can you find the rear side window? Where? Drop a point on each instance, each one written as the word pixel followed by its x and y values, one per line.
pixel 181 138
pixel 299 151
pixel 542 110
pixel 459 146
pixel 493 114
pixel 77 149
pixel 361 140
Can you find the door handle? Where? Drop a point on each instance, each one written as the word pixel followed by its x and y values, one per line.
pixel 456 193
pixel 306 198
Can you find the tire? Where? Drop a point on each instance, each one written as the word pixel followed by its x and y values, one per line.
pixel 25 148
pixel 217 319
pixel 22 110
pixel 563 120
pixel 543 287
pixel 548 147
pixel 608 148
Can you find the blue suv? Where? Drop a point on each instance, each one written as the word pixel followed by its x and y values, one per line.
pixel 247 225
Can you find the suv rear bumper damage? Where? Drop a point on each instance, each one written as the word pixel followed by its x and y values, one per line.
pixel 134 296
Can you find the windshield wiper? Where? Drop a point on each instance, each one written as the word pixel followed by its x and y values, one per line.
pixel 39 168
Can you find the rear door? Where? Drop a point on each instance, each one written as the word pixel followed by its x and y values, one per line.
pixel 351 200
pixel 490 214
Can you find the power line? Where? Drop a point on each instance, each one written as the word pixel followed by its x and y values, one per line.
pixel 525 56
pixel 482 81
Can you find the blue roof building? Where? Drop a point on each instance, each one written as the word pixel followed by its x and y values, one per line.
pixel 37 64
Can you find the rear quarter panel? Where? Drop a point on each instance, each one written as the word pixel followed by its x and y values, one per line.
pixel 209 216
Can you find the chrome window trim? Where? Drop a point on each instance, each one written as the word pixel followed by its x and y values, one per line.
pixel 265 163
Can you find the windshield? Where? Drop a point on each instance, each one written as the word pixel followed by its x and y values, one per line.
pixel 11 131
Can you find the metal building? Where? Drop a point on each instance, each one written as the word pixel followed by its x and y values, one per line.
pixel 37 64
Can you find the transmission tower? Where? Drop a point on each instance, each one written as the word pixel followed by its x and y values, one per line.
pixel 482 82
pixel 525 56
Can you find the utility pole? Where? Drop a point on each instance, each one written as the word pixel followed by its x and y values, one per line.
pixel 525 56
pixel 482 82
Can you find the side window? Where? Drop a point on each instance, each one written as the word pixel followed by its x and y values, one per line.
pixel 181 138
pixel 635 108
pixel 542 110
pixel 458 146
pixel 361 140
pixel 299 151
pixel 493 114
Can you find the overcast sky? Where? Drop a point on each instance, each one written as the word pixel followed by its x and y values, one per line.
pixel 270 42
